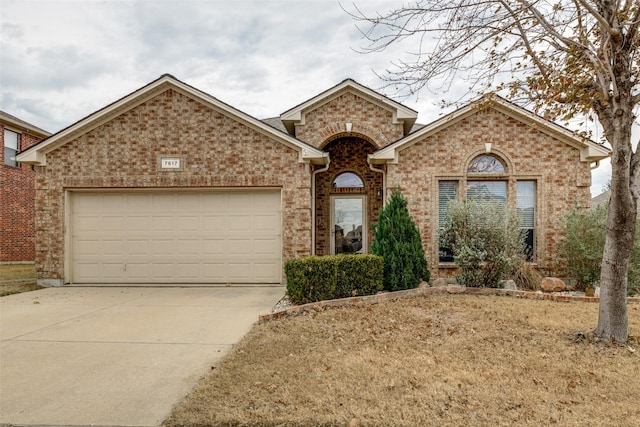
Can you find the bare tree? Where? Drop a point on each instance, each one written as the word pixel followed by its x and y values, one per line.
pixel 565 57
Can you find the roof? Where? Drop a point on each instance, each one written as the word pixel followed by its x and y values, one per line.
pixel 37 154
pixel 21 125
pixel 401 113
pixel 601 199
pixel 590 151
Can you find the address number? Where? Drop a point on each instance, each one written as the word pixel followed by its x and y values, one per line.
pixel 170 163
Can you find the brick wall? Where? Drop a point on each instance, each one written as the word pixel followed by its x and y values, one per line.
pixel 217 151
pixel 528 153
pixel 324 122
pixel 17 210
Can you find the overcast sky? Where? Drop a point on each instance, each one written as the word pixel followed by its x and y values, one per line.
pixel 62 60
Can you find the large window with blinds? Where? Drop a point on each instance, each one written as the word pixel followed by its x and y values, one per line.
pixel 487 180
pixel 447 191
pixel 526 211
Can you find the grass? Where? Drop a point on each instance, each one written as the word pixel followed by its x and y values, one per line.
pixel 17 278
pixel 453 360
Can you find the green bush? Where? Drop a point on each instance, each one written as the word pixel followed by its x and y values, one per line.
pixel 335 276
pixel 486 241
pixel 397 241
pixel 583 245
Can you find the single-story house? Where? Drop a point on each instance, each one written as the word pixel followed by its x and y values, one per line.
pixel 171 185
pixel 17 190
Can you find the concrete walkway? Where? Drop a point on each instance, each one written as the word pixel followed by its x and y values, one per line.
pixel 115 356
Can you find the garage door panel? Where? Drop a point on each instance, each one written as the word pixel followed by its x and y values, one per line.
pixel 266 247
pixel 87 247
pixel 113 271
pixel 214 247
pixel 163 201
pixel 162 247
pixel 215 271
pixel 137 247
pixel 137 270
pixel 266 222
pixel 213 222
pixel 170 237
pixel 137 223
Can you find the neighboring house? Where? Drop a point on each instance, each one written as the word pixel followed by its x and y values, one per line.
pixel 601 199
pixel 169 184
pixel 17 192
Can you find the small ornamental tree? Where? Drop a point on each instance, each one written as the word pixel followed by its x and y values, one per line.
pixel 486 241
pixel 397 241
pixel 583 245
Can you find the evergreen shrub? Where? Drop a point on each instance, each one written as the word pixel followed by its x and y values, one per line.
pixel 317 278
pixel 397 240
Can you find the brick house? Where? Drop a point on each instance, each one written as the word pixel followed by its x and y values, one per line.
pixel 17 191
pixel 169 184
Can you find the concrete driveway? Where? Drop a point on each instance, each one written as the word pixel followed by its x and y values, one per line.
pixel 115 356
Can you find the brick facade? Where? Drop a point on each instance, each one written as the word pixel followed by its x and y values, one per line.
pixel 346 129
pixel 562 181
pixel 326 121
pixel 17 194
pixel 218 151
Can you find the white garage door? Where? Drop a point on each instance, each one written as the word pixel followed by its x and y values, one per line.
pixel 176 237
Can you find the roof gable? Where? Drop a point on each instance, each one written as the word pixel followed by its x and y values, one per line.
pixel 37 155
pixel 401 113
pixel 590 151
pixel 15 122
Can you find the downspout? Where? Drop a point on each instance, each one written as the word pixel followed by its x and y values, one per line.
pixel 384 181
pixel 597 163
pixel 313 204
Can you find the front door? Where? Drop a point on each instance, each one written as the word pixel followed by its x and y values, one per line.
pixel 348 219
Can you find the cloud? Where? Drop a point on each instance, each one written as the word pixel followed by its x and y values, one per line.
pixel 71 58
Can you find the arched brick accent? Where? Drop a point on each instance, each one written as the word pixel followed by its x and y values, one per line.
pixel 348 154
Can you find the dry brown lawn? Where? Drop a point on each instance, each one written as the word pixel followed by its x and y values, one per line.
pixel 453 360
pixel 16 278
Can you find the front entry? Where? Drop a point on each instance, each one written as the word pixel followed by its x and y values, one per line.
pixel 348 216
pixel 348 198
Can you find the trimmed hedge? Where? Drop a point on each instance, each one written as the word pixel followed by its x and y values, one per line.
pixel 318 278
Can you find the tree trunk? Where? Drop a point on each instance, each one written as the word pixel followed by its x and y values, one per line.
pixel 613 323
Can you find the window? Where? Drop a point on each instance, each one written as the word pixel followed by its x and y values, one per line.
pixel 447 191
pixel 11 147
pixel 526 211
pixel 486 163
pixel 348 180
pixel 488 181
pixel 488 191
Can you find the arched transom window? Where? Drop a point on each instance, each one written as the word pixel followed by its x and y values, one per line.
pixel 348 180
pixel 486 163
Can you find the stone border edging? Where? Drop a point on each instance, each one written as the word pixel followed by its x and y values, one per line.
pixel 451 289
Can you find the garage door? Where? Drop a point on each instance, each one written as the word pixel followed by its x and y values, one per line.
pixel 176 237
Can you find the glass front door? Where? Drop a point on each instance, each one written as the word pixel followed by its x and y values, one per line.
pixel 348 216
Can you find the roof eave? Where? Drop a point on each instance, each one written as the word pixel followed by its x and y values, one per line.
pixel 36 155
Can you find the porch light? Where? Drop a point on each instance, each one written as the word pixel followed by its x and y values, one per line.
pixel 349 126
pixel 487 147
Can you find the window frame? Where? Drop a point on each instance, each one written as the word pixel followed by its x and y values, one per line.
pixel 16 151
pixel 511 181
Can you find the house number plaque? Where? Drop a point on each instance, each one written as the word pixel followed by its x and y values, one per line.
pixel 170 163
